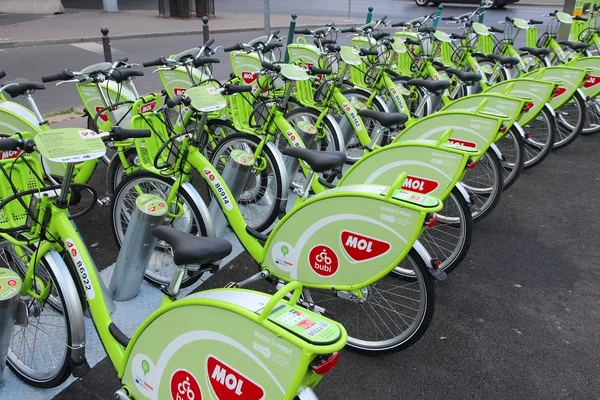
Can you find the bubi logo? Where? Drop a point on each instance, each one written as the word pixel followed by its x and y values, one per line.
pixel 420 185
pixel 227 383
pixel 249 77
pixel 362 248
pixel 463 143
pixel 104 115
pixel 179 91
pixel 148 107
pixel 184 386
pixel 591 81
pixel 9 155
pixel 323 260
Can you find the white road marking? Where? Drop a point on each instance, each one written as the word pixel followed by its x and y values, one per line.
pixel 93 47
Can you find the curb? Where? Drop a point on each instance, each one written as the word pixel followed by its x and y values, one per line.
pixel 45 42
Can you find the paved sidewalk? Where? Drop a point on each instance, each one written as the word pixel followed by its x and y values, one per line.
pixel 85 26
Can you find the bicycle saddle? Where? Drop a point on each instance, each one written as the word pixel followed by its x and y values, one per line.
pixel 536 51
pixel 23 86
pixel 436 87
pixel 385 119
pixel 190 249
pixel 121 75
pixel 508 61
pixel 465 76
pixel 574 45
pixel 318 161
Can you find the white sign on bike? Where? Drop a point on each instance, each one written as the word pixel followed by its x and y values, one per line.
pixel 70 145
pixel 205 98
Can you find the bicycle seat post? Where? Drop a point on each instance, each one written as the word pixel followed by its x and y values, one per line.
pixel 33 106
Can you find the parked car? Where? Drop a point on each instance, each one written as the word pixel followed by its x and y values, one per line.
pixel 490 3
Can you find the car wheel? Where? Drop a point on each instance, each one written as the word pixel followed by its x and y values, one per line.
pixel 422 3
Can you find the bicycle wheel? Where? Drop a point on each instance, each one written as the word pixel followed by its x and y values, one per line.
pixel 484 184
pixel 449 240
pixel 591 125
pixel 387 316
pixel 40 348
pixel 539 138
pixel 261 197
pixel 570 119
pixel 354 149
pixel 513 156
pixel 116 171
pixel 161 266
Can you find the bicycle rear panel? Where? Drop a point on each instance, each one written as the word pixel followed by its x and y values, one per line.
pixel 113 93
pixel 568 80
pixel 226 344
pixel 591 85
pixel 347 237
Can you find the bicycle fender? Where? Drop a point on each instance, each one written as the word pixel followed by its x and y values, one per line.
pixel 429 261
pixel 520 129
pixel 195 196
pixel 337 131
pixel 549 108
pixel 496 150
pixel 464 192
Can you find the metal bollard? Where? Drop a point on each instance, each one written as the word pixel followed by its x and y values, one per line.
pixel 438 14
pixel 307 132
pixel 290 37
pixel 137 248
pixel 236 174
pixel 10 288
pixel 369 15
pixel 106 44
pixel 205 32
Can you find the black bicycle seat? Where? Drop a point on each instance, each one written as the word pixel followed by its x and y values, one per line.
pixel 385 119
pixel 574 45
pixel 508 61
pixel 436 87
pixel 465 76
pixel 318 161
pixel 190 249
pixel 538 52
pixel 23 86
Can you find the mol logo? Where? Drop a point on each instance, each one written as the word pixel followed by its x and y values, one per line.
pixel 148 107
pixel 184 386
pixel 559 91
pixel 227 383
pixel 179 91
pixel 362 248
pixel 591 81
pixel 249 77
pixel 463 143
pixel 103 116
pixel 420 185
pixel 9 155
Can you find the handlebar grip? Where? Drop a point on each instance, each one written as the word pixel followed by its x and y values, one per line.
pixel 271 67
pixel 383 19
pixel 61 76
pixel 209 43
pixel 457 36
pixel 276 32
pixel 155 63
pixel 271 46
pixel 368 52
pixel 447 18
pixel 123 60
pixel 231 89
pixel 174 101
pixel 580 18
pixel 319 71
pixel 325 42
pixel 347 30
pixel 553 14
pixel 10 144
pixel 380 35
pixel 509 19
pixel 235 47
pixel 333 48
pixel 304 31
pixel 117 133
pixel 198 62
pixel 535 22
pixel 412 42
pixel 426 29
pixel 496 30
pixel 2 74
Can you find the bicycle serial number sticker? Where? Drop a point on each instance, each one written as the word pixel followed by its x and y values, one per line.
pixel 214 181
pixel 81 269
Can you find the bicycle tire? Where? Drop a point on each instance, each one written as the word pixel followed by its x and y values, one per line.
pixel 115 172
pixel 52 312
pixel 251 201
pixel 538 148
pixel 513 156
pixel 486 194
pixel 592 114
pixel 339 307
pixel 161 268
pixel 567 132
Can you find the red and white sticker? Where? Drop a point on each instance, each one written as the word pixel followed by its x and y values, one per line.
pixel 184 386
pixel 11 283
pixel 249 77
pixel 362 248
pixel 559 91
pixel 148 107
pixel 323 260
pixel 420 185
pixel 87 134
pixel 81 269
pixel 9 155
pixel 214 181
pixel 463 143
pixel 179 91
pixel 228 383
pixel 591 81
pixel 104 115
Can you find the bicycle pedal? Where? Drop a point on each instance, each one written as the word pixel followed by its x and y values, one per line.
pixel 104 201
pixel 230 285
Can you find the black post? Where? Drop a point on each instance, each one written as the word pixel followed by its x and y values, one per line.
pixel 106 44
pixel 205 33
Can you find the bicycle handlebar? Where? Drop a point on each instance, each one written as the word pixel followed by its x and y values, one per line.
pixel 198 62
pixel 158 62
pixel 580 18
pixel 495 30
pixel 535 22
pixel 209 43
pixel 348 30
pixel 368 52
pixel 380 35
pixel 117 133
pixel 11 144
pixel 235 47
pixel 64 75
pixel 271 67
pixel 509 19
pixel 304 31
pixel 231 89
